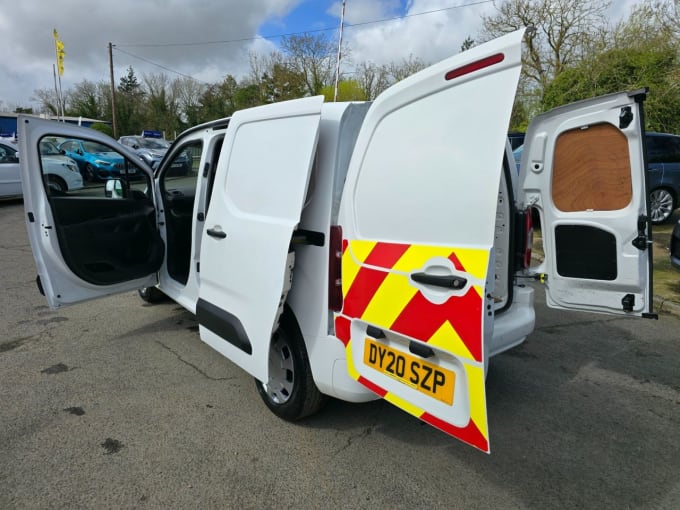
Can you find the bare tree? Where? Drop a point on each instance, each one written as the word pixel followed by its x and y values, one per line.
pixel 564 32
pixel 408 66
pixel 372 79
pixel 314 57
pixel 162 109
pixel 188 93
pixel 49 102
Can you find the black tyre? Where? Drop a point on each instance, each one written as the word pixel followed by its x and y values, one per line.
pixel 90 173
pixel 661 205
pixel 290 392
pixel 56 183
pixel 151 295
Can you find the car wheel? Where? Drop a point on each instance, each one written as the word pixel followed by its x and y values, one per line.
pixel 56 183
pixel 151 295
pixel 90 173
pixel 290 392
pixel 661 205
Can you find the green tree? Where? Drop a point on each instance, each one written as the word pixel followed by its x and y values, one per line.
pixel 162 110
pixel 102 128
pixel 641 52
pixel 348 90
pixel 217 100
pixel 130 99
pixel 468 43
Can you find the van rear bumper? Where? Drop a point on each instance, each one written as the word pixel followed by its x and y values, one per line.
pixel 511 327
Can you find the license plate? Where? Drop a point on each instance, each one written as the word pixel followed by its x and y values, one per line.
pixel 432 380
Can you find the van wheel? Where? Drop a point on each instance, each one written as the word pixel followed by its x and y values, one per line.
pixel 151 295
pixel 290 392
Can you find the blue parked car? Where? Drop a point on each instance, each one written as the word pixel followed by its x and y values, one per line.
pixel 95 161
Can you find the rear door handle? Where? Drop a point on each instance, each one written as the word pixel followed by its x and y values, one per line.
pixel 216 232
pixel 446 281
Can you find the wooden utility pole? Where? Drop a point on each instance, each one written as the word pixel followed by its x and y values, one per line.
pixel 113 94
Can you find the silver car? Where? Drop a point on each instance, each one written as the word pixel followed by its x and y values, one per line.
pixel 60 172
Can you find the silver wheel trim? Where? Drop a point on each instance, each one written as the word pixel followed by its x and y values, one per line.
pixel 661 205
pixel 281 371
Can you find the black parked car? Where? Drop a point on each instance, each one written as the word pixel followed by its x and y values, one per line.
pixel 663 154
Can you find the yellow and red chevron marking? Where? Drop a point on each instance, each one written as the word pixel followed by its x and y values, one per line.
pixel 377 290
pixel 382 295
pixel 475 433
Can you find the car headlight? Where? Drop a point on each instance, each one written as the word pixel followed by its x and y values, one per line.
pixel 101 162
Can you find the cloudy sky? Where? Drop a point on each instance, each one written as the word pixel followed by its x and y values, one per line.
pixel 208 39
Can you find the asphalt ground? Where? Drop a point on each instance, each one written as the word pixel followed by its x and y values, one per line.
pixel 117 404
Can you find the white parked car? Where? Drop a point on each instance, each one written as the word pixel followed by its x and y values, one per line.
pixel 60 172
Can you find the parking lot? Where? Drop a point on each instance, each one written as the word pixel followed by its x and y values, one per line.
pixel 117 404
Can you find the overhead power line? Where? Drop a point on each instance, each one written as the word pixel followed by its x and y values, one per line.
pixel 277 36
pixel 117 47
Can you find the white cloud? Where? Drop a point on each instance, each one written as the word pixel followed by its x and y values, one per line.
pixel 430 37
pixel 361 11
pixel 86 27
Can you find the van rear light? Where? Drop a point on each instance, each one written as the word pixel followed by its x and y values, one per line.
pixel 524 238
pixel 335 269
pixel 528 237
pixel 474 66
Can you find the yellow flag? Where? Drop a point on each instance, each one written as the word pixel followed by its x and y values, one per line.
pixel 59 46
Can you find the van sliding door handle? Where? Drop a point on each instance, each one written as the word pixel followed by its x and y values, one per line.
pixel 214 232
pixel 446 281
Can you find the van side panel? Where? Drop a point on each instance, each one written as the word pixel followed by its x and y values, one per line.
pixel 308 297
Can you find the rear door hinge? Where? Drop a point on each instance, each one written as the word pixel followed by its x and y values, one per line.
pixel 641 242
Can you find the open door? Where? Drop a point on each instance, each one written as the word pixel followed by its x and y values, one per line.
pixel 96 240
pixel 418 218
pixel 257 200
pixel 583 167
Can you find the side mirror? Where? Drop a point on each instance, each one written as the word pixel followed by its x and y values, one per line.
pixel 115 188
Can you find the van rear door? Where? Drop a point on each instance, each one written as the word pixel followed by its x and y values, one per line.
pixel 257 199
pixel 583 167
pixel 418 219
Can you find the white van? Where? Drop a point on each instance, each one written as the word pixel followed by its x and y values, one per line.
pixel 365 250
